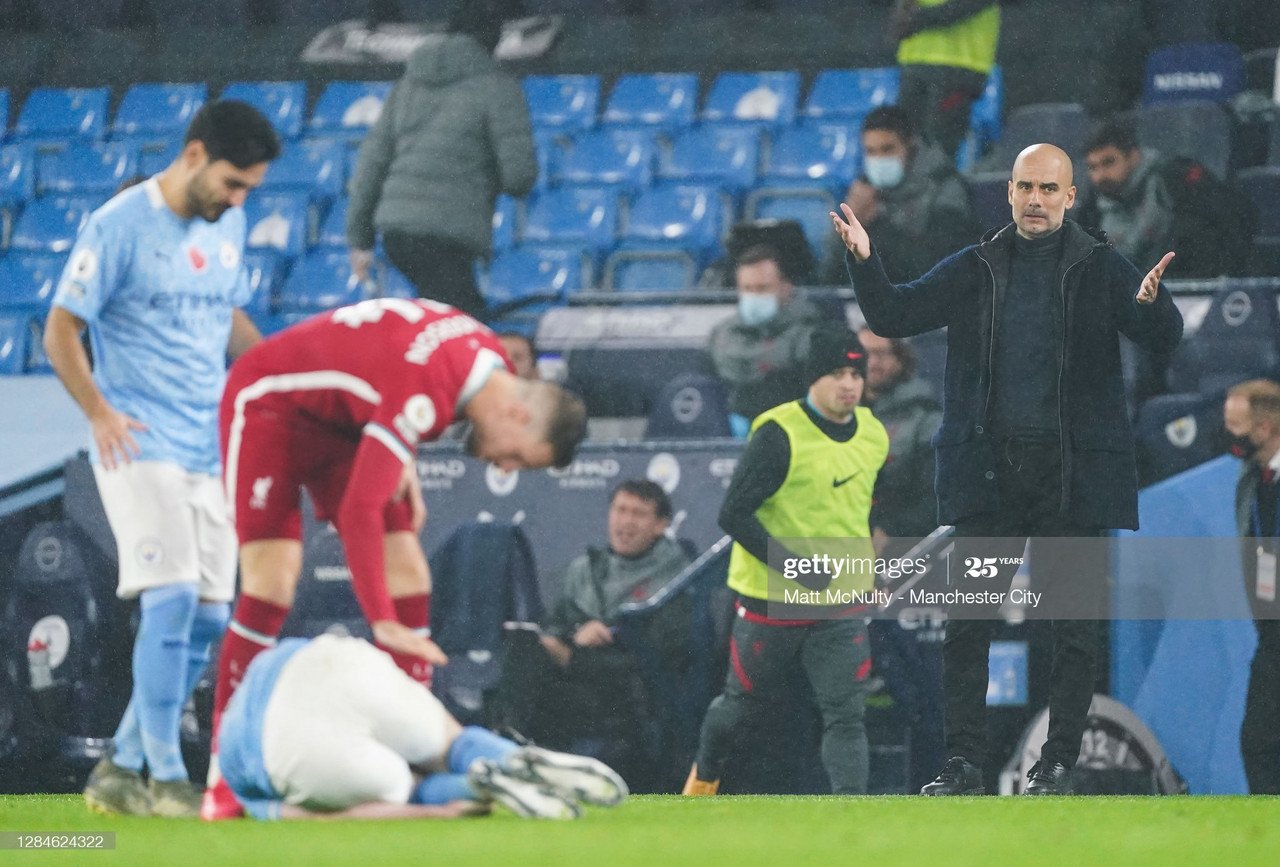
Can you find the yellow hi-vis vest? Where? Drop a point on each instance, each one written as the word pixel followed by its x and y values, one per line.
pixel 967 44
pixel 826 497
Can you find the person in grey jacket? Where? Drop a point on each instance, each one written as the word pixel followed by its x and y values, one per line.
pixel 910 198
pixel 453 134
pixel 759 352
pixel 905 504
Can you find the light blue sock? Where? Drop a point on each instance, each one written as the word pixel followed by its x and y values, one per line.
pixel 440 789
pixel 210 621
pixel 128 738
pixel 160 675
pixel 474 743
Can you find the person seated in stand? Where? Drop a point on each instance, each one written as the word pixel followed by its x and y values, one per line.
pixel 585 687
pixel 759 352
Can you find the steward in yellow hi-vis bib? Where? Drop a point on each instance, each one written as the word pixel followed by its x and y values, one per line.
pixel 802 490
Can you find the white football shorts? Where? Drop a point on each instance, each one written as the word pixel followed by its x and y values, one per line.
pixel 344 724
pixel 171 527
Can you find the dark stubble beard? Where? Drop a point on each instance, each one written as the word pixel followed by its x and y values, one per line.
pixel 200 202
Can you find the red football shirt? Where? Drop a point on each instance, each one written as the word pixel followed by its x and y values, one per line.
pixel 390 371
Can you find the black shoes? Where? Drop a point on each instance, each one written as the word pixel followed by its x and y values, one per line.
pixel 959 777
pixel 1048 779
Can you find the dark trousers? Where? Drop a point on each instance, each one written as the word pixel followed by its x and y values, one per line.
pixel 938 100
pixel 1073 578
pixel 442 270
pixel 1260 731
pixel 834 655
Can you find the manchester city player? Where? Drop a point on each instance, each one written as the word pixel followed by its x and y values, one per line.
pixel 157 276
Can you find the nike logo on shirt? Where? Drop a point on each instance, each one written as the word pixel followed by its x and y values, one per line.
pixel 835 483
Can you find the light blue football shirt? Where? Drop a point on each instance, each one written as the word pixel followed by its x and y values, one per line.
pixel 240 757
pixel 157 292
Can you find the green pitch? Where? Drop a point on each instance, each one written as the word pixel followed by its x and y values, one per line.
pixel 664 831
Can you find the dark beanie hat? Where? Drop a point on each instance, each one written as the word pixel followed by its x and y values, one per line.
pixel 831 348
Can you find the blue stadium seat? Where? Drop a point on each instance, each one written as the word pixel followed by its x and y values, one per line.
pixel 1193 71
pixel 333 230
pixel 1063 123
pixel 86 168
pixel 567 102
pixel 4 112
pixel 1175 432
pixel 63 113
pixel 273 323
pixel 693 217
pixel 51 225
pixel 316 167
pixel 506 217
pixel 13 343
pixel 1238 339
pixel 348 108
pixel 753 97
pixel 808 204
pixel 644 269
pixel 989 198
pixel 611 156
pixel 587 216
pixel 528 270
pixel 725 155
pixel 549 147
pixel 985 116
pixel 827 153
pixel 320 280
pixel 28 281
pixel 1199 130
pixel 666 100
pixel 691 406
pixel 283 221
pixel 851 93
pixel 1262 183
pixel 17 174
pixel 152 161
pixel 281 101
pixel 265 270
pixel 158 110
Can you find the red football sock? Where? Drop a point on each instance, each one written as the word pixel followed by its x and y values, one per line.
pixel 253 629
pixel 414 612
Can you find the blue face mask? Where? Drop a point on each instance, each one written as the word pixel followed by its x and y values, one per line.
pixel 884 173
pixel 757 308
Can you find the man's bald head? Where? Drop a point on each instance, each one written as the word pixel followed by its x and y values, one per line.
pixel 1040 190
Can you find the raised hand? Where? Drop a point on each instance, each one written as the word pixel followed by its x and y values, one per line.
pixel 851 233
pixel 1151 283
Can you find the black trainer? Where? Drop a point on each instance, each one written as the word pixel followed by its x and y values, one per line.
pixel 1048 779
pixel 959 777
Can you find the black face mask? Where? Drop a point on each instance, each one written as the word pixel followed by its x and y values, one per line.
pixel 1241 446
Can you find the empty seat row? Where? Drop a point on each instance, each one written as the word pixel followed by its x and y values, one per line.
pixel 317 167
pixel 53 116
pixel 669 100
pixel 824 152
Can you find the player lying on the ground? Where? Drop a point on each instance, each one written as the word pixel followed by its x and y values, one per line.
pixel 331 727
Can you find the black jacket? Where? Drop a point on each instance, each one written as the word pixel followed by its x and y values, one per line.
pixel 963 293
